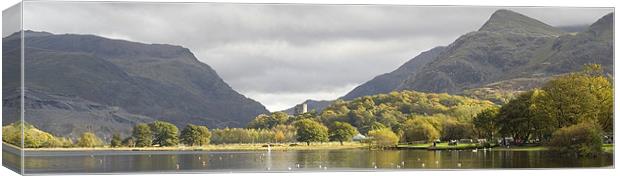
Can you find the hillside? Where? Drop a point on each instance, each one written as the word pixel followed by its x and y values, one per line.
pixel 508 46
pixel 163 82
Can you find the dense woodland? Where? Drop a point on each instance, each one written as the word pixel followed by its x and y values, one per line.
pixel 570 113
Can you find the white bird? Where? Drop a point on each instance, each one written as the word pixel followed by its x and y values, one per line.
pixel 436 162
pixel 289 168
pixel 402 163
pixel 398 166
pixel 268 168
pixel 204 163
pixel 199 158
pixel 178 166
pixel 297 165
pixel 423 165
pixel 324 168
pixel 375 166
pixel 474 150
pixel 458 164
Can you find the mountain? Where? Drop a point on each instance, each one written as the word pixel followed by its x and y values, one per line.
pixel 69 116
pixel 316 105
pixel 387 82
pixel 508 46
pixel 163 82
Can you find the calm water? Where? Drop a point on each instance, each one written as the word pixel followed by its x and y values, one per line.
pixel 316 160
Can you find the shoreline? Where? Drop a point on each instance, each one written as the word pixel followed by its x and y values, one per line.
pixel 608 148
pixel 217 147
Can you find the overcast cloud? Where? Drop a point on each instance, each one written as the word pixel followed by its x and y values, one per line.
pixel 281 55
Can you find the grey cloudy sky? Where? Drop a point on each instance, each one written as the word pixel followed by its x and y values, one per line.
pixel 281 55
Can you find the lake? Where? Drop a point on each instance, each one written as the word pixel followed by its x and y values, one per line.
pixel 309 160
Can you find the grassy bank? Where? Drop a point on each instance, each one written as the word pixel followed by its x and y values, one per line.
pixel 220 147
pixel 439 146
pixel 609 148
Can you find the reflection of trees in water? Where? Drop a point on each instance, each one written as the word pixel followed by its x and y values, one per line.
pixel 312 159
pixel 193 161
pixel 345 158
pixel 386 158
pixel 155 162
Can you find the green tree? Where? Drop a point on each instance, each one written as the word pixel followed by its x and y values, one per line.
pixel 116 140
pixel 195 135
pixel 142 135
pixel 383 138
pixel 311 131
pixel 485 123
pixel 454 130
pixel 89 139
pixel 417 129
pixel 164 133
pixel 269 121
pixel 521 119
pixel 583 139
pixel 342 131
pixel 129 142
pixel 579 97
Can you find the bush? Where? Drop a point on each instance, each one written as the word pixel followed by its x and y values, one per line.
pixel 420 130
pixel 33 137
pixel 583 139
pixel 383 138
pixel 89 139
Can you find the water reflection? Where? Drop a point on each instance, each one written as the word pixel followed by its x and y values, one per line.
pixel 315 160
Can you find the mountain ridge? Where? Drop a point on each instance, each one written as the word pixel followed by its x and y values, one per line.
pixel 161 81
pixel 508 46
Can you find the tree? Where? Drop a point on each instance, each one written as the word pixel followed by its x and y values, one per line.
pixel 383 137
pixel 485 122
pixel 268 121
pixel 521 119
pixel 116 140
pixel 279 136
pixel 129 142
pixel 579 97
pixel 89 139
pixel 454 130
pixel 583 139
pixel 311 131
pixel 418 129
pixel 342 131
pixel 195 135
pixel 142 135
pixel 164 133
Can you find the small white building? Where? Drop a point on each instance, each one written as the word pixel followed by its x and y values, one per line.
pixel 359 137
pixel 301 108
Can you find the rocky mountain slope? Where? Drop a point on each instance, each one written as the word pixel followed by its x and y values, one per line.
pixel 163 82
pixel 507 47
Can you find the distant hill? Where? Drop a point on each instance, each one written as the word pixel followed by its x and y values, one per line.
pixel 163 82
pixel 507 47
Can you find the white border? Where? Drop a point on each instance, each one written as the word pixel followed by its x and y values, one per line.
pixel 532 172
